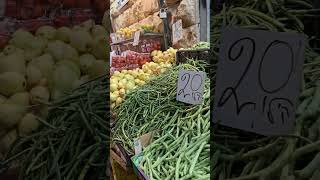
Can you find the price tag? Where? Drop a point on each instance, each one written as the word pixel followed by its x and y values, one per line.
pixel 113 37
pixel 111 59
pixel 177 31
pixel 258 80
pixel 190 86
pixel 163 13
pixel 121 3
pixel 136 38
pixel 137 146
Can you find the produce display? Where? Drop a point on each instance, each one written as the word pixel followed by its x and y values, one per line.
pixel 180 147
pixel 147 28
pixel 198 46
pixel 36 69
pixel 72 142
pixel 130 59
pixel 127 33
pixel 243 156
pixel 125 81
pixel 166 56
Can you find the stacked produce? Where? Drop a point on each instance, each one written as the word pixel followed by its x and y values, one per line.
pixel 126 32
pixel 127 80
pixel 168 56
pixel 36 69
pixel 181 148
pixel 198 46
pixel 131 59
pixel 147 28
pixel 243 156
pixel 72 142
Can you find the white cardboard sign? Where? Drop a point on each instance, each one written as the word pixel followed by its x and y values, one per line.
pixel 190 86
pixel 136 38
pixel 177 31
pixel 258 80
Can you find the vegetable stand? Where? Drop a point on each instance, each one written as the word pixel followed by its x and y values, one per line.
pixel 143 96
pixel 53 72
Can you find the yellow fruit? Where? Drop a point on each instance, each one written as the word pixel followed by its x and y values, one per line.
pixel 122 92
pixel 121 85
pixel 28 124
pixel 11 114
pixel 113 87
pixel 34 75
pixel 19 99
pixel 39 94
pixel 7 140
pixel 116 73
pixel 119 101
pixel 117 93
pixel 113 97
pixel 124 71
pixel 11 83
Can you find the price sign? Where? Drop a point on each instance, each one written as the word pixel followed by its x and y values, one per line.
pixel 177 31
pixel 258 80
pixel 137 146
pixel 111 59
pixel 136 38
pixel 113 37
pixel 190 86
pixel 121 3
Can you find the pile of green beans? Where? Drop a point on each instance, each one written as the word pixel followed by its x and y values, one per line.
pixel 181 130
pixel 73 141
pixel 239 155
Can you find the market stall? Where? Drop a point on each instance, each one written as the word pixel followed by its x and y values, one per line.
pixel 54 59
pixel 151 42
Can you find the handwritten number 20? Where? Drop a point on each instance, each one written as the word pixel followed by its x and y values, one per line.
pixel 236 55
pixel 193 86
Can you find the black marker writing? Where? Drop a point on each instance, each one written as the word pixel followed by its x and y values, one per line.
pixel 231 91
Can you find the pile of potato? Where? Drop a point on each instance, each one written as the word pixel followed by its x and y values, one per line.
pixel 38 68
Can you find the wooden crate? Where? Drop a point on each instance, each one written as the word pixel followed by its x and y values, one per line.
pixel 120 168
